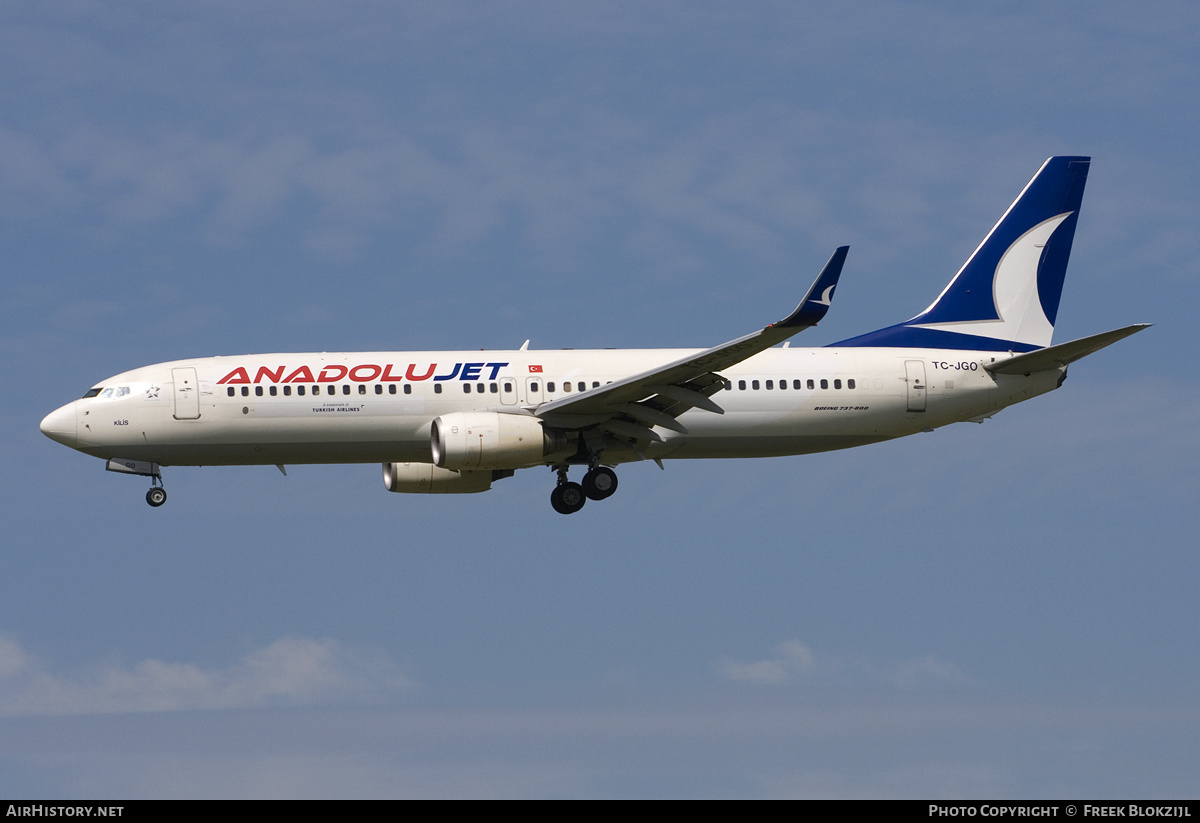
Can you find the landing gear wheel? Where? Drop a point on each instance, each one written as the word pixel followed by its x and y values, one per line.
pixel 156 496
pixel 599 483
pixel 567 498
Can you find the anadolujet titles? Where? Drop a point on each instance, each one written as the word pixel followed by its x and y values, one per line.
pixel 455 422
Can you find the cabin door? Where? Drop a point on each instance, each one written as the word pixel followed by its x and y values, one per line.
pixel 914 374
pixel 187 394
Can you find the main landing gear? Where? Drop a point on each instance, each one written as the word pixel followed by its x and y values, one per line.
pixel 567 498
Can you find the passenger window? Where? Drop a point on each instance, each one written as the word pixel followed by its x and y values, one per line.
pixel 245 391
pixel 466 388
pixel 741 385
pixel 810 383
pixel 274 391
pixel 362 388
pixel 595 384
pixel 494 388
pixel 346 388
pixel 287 391
pixel 550 386
pixel 754 385
pixel 533 387
pixel 849 384
pixel 407 388
pixel 824 384
pixel 300 390
pixel 837 384
pixel 230 391
pixel 728 385
pixel 508 387
pixel 258 391
pixel 437 388
pixel 379 388
pixel 796 385
pixel 770 385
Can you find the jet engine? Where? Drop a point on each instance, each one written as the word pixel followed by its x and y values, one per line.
pixel 426 478
pixel 487 440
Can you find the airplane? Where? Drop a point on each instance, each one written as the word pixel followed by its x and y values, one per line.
pixel 454 422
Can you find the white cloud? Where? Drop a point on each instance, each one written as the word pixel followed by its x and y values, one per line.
pixel 792 658
pixel 290 671
pixel 793 662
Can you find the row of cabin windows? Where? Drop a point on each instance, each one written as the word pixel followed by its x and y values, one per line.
pixel 579 385
pixel 331 389
pixel 495 388
pixel 783 384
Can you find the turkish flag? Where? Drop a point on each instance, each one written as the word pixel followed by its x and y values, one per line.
pixel 535 369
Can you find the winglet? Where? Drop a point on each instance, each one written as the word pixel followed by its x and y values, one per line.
pixel 814 305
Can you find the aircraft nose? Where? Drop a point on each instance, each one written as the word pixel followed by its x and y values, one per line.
pixel 60 426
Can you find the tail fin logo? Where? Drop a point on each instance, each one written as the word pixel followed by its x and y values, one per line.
pixel 1019 314
pixel 1006 296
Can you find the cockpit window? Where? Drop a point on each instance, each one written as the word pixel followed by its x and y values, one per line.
pixel 91 393
pixel 110 392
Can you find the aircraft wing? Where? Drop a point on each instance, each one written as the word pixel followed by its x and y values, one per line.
pixel 1054 357
pixel 632 406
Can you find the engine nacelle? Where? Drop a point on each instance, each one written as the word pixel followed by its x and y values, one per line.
pixel 426 478
pixel 487 440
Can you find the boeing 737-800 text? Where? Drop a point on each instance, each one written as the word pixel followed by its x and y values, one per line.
pixel 455 422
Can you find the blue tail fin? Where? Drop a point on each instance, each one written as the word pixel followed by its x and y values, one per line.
pixel 1005 297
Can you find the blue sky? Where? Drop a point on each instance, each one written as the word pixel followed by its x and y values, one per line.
pixel 1005 610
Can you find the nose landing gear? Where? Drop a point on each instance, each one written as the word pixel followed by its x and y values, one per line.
pixel 157 494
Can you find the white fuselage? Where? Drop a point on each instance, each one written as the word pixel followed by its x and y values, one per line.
pixel 378 406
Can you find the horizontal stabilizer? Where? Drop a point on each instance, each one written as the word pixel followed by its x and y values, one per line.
pixel 1056 357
